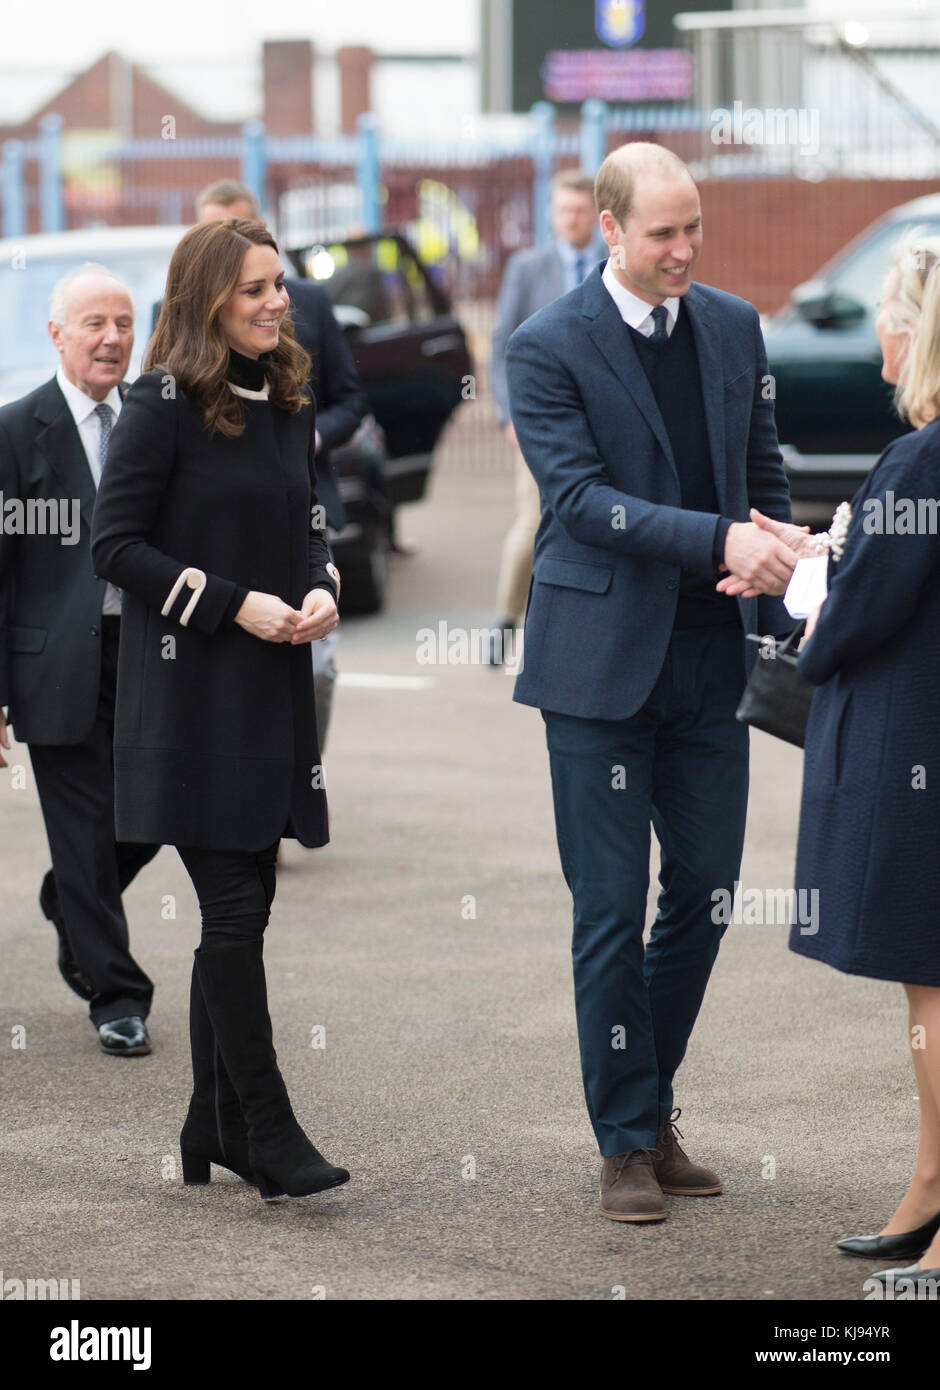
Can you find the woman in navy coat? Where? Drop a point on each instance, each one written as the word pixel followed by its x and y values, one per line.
pixel 207 519
pixel 869 838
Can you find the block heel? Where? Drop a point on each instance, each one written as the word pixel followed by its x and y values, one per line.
pixel 195 1168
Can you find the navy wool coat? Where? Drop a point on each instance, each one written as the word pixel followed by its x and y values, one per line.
pixel 869 838
pixel 215 741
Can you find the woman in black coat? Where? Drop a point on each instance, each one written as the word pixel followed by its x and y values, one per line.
pixel 869 839
pixel 207 519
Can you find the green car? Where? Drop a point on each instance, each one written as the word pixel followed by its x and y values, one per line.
pixel 834 413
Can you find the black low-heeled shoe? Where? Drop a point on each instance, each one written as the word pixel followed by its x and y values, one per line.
pixel 292 1167
pixel 888 1278
pixel 197 1158
pixel 908 1245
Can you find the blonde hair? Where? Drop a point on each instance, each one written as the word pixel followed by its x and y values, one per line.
pixel 911 305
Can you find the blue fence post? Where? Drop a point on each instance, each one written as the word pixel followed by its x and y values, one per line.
pixel 13 189
pixel 543 158
pixel 51 209
pixel 253 159
pixel 368 172
pixel 593 134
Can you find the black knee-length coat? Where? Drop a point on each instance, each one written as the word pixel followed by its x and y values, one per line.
pixel 215 740
pixel 869 841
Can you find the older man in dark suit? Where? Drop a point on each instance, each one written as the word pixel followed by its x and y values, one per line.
pixel 533 278
pixel 59 630
pixel 643 408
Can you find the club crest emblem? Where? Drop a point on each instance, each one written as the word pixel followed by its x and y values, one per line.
pixel 619 22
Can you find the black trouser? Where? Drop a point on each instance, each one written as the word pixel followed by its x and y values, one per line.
pixel 90 869
pixel 235 889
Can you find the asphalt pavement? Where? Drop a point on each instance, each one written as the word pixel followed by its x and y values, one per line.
pixel 420 984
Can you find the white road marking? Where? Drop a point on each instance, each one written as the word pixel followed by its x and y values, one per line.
pixel 366 680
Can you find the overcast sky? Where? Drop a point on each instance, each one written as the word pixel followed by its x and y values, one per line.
pixel 209 51
pixel 44 34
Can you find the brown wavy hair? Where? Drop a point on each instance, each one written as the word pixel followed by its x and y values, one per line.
pixel 188 342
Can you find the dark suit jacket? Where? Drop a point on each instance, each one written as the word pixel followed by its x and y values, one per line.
pixel 50 599
pixel 215 737
pixel 613 537
pixel 341 401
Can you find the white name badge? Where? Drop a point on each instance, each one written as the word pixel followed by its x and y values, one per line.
pixel 808 586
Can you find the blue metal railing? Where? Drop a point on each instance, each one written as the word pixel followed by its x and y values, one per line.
pixel 365 154
pixel 362 157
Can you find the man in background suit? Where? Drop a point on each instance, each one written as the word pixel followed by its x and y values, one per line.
pixel 341 401
pixel 59 631
pixel 641 403
pixel 532 279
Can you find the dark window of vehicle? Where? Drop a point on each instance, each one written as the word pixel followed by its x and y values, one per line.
pixel 378 279
pixel 861 276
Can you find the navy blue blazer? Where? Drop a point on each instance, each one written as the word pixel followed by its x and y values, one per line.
pixel 613 536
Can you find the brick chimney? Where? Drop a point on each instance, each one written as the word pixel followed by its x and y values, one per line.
pixel 288 86
pixel 355 70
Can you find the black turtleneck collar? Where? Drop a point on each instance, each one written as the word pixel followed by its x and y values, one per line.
pixel 248 372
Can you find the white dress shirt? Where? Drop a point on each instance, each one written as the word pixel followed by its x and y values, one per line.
pixel 88 425
pixel 634 311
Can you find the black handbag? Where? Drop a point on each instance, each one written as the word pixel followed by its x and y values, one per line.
pixel 776 697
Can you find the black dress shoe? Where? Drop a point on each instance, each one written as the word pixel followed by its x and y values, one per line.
pixel 124 1037
pixel 889 1278
pixel 907 1245
pixel 75 978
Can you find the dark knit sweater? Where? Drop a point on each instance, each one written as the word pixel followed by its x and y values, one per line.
pixel 673 373
pixel 248 372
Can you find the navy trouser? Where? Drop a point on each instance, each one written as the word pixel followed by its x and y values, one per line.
pixel 681 763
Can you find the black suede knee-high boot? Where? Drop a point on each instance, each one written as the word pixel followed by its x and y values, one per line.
pixel 214 1130
pixel 282 1158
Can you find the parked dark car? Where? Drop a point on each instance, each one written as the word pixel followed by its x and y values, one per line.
pixel 834 413
pixel 413 359
pixel 410 349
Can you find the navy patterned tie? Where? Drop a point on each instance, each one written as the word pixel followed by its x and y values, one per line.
pixel 106 416
pixel 659 334
pixel 580 269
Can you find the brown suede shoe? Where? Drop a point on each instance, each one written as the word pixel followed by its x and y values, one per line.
pixel 629 1190
pixel 675 1172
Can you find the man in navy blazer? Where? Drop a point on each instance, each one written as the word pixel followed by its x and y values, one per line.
pixel 643 407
